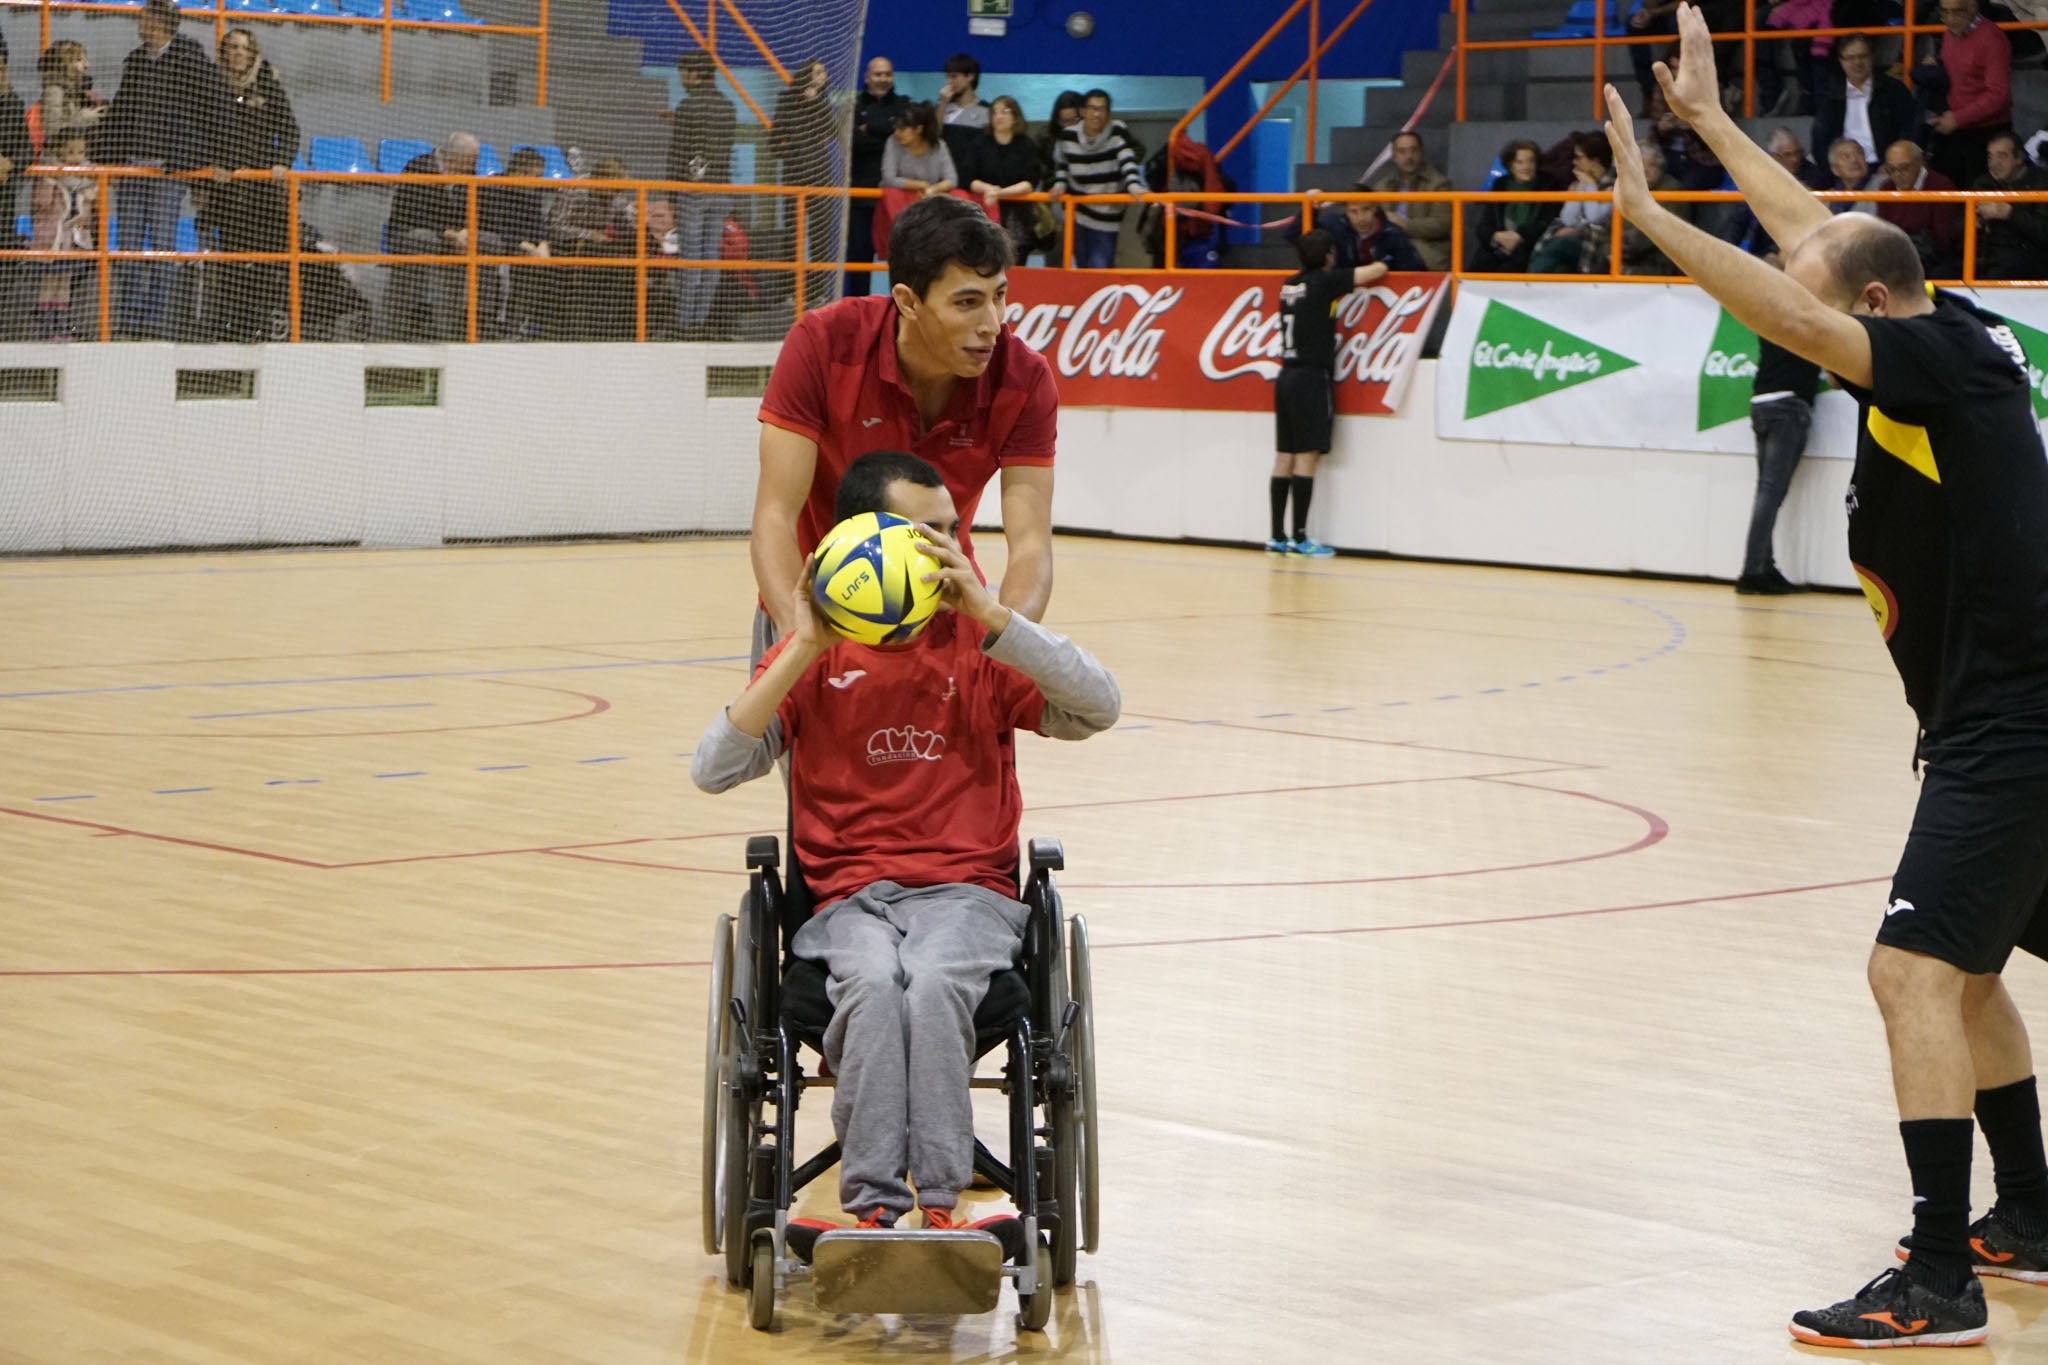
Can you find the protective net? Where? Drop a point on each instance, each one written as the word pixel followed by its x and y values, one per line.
pixel 432 183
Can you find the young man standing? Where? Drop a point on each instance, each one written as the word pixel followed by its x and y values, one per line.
pixel 928 368
pixel 1948 528
pixel 700 143
pixel 1095 156
pixel 1303 405
pixel 963 116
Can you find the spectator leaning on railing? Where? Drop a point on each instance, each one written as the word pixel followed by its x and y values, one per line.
pixel 1096 156
pixel 428 302
pixel 1505 233
pixel 168 114
pixel 517 217
pixel 874 124
pixel 699 152
pixel 1427 225
pixel 2012 239
pixel 1002 164
pixel 260 133
pixel 918 159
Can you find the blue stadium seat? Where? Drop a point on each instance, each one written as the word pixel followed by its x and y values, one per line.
pixel 439 12
pixel 555 165
pixel 487 162
pixel 23 226
pixel 314 7
pixel 342 155
pixel 362 9
pixel 195 4
pixel 394 152
pixel 249 6
pixel 188 236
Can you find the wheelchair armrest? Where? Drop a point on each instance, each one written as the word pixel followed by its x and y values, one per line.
pixel 764 853
pixel 1048 856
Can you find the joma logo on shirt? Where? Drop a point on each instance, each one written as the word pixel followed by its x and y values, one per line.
pixel 907 745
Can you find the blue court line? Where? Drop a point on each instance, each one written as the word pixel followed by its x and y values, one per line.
pixel 618 758
pixel 503 767
pixel 293 782
pixel 370 677
pixel 380 776
pixel 311 710
pixel 67 798
pixel 180 791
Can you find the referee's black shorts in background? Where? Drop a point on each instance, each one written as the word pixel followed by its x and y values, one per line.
pixel 1303 409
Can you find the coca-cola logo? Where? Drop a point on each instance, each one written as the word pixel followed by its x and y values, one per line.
pixel 1245 330
pixel 1098 337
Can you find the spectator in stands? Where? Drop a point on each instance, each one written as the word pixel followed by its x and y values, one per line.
pixel 260 133
pixel 918 158
pixel 961 110
pixel 1362 234
pixel 1003 164
pixel 63 213
pixel 805 141
pixel 1936 228
pixel 1096 156
pixel 1661 16
pixel 699 152
pixel 1572 243
pixel 2012 239
pixel 1976 60
pixel 874 124
pixel 67 101
pixel 1773 95
pixel 1066 112
pixel 1427 225
pixel 592 217
pixel 1640 255
pixel 168 115
pixel 1504 234
pixel 516 216
pixel 1847 170
pixel 1865 105
pixel 16 147
pixel 425 302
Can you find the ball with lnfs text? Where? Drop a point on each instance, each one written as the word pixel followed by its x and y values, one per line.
pixel 869 580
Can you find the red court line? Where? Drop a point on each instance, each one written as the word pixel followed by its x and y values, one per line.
pixel 1364 709
pixel 1191 942
pixel 161 838
pixel 1831 668
pixel 596 706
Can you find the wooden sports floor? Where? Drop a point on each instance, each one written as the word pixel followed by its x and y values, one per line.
pixel 1480 958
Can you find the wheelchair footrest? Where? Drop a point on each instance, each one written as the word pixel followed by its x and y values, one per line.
pixel 872 1270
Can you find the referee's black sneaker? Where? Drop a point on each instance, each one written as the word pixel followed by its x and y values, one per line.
pixel 1896 1310
pixel 1996 1249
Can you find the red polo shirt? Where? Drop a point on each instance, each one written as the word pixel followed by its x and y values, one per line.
pixel 1979 66
pixel 837 382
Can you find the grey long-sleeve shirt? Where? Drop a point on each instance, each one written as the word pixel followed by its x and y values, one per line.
pixel 1081 699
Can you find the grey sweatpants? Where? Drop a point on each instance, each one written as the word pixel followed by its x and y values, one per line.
pixel 908 967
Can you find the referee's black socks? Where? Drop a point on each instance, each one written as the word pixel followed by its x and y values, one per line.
pixel 2011 1119
pixel 1277 489
pixel 1304 486
pixel 1938 1154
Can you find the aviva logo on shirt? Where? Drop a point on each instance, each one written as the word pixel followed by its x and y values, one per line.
pixel 1517 358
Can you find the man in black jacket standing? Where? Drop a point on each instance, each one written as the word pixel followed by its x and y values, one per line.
pixel 2012 238
pixel 167 115
pixel 700 152
pixel 874 122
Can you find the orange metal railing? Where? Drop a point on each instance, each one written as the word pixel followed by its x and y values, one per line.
pixel 222 17
pixel 1749 36
pixel 806 200
pixel 706 39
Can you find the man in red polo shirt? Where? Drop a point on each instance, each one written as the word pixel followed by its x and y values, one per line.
pixel 928 368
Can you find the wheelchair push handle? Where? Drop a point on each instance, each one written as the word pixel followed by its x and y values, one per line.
pixel 1047 855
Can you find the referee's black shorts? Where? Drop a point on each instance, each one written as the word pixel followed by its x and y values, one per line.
pixel 1972 884
pixel 1303 409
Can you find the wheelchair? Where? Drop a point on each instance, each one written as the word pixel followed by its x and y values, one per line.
pixel 765 1004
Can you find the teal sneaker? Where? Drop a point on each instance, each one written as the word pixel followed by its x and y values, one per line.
pixel 1309 548
pixel 1279 547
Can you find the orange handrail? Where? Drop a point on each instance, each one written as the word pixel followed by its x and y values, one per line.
pixel 1209 95
pixel 712 49
pixel 221 16
pixel 1306 68
pixel 755 38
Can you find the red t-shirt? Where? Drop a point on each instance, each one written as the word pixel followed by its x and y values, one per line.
pixel 903 763
pixel 838 383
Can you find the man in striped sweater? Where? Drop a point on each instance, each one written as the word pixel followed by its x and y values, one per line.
pixel 1096 156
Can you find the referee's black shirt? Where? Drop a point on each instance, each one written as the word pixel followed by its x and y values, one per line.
pixel 1308 317
pixel 1948 528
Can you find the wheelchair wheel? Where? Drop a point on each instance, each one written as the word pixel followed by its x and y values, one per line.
pixel 1083 984
pixel 741 1118
pixel 761 1284
pixel 1034 1311
pixel 717 1065
pixel 1066 1142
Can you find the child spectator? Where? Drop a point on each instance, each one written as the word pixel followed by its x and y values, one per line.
pixel 63 213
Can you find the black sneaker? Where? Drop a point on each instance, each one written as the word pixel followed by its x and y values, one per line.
pixel 1896 1310
pixel 1770 583
pixel 1996 1249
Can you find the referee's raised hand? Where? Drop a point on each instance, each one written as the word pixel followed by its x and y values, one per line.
pixel 1694 90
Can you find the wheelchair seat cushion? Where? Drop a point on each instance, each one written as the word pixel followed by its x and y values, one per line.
pixel 808 1009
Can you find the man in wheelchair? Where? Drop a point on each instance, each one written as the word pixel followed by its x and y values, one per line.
pixel 905 812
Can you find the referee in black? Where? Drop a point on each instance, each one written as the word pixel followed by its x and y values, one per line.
pixel 1303 403
pixel 1948 528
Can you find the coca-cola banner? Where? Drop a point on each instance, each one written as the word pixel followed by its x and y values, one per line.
pixel 1211 341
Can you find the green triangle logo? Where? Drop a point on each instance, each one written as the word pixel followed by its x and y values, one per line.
pixel 1517 358
pixel 1728 374
pixel 2035 344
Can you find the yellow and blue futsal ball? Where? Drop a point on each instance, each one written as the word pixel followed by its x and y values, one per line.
pixel 870 579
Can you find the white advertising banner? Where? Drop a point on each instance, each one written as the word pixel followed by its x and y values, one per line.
pixel 1643 366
